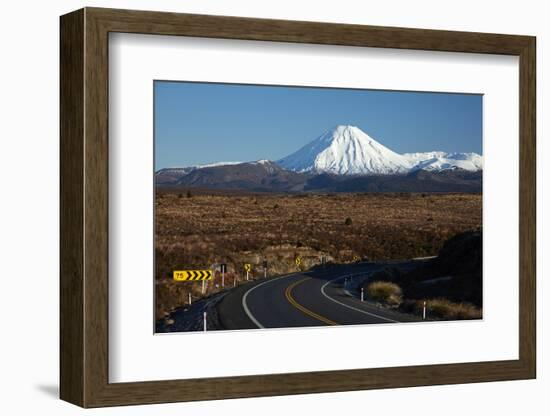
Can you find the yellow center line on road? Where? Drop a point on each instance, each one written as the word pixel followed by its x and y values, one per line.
pixel 288 295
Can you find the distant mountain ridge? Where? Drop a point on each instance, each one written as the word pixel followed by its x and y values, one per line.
pixel 438 161
pixel 343 159
pixel 256 176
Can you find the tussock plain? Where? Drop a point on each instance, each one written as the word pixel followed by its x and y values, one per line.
pixel 197 229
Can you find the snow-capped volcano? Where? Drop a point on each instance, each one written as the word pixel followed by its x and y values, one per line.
pixel 346 150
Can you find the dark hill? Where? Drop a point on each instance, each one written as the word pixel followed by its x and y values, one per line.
pixel 419 181
pixel 455 274
pixel 266 176
pixel 254 176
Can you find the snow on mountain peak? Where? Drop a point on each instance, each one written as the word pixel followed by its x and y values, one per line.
pixel 348 150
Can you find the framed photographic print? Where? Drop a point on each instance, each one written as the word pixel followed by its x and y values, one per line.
pixel 320 194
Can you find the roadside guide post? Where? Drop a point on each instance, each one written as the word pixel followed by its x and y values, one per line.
pixel 189 298
pixel 203 287
pixel 223 269
pixel 362 295
pixel 424 311
pixel 265 268
pixel 204 321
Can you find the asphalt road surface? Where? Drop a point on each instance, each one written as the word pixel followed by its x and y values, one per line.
pixel 321 297
pixel 315 298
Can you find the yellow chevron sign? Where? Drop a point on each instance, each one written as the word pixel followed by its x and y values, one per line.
pixel 192 275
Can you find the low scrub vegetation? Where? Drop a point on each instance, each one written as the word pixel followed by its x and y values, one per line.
pixel 445 309
pixel 385 292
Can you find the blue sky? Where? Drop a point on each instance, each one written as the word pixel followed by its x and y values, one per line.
pixel 198 123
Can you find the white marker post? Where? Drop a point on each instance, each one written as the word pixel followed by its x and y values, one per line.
pixel 424 311
pixel 189 298
pixel 204 321
pixel 265 272
pixel 235 281
pixel 223 276
pixel 203 283
pixel 362 295
pixel 247 275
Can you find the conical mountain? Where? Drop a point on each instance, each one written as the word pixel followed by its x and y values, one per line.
pixel 346 150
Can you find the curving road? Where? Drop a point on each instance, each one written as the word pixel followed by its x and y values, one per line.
pixel 315 298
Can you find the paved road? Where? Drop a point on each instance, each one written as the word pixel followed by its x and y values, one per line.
pixel 315 298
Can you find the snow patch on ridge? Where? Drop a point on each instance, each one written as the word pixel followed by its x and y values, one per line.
pixel 437 161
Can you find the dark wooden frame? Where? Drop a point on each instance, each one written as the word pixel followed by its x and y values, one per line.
pixel 84 213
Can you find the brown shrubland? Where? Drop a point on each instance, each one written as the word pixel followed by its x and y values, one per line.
pixel 208 228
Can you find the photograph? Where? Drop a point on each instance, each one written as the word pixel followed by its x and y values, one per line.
pixel 282 206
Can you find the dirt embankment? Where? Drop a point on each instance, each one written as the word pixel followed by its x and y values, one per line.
pixel 451 284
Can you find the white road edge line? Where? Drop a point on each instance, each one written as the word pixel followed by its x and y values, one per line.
pixel 348 306
pixel 245 306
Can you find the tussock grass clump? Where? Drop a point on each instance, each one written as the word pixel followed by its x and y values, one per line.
pixel 386 292
pixel 445 309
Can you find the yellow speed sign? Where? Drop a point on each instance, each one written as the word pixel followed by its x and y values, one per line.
pixel 192 275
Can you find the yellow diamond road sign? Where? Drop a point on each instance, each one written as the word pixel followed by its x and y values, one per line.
pixel 193 275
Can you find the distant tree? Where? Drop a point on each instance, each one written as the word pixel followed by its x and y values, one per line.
pixel 180 195
pixel 275 206
pixel 188 194
pixel 348 221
